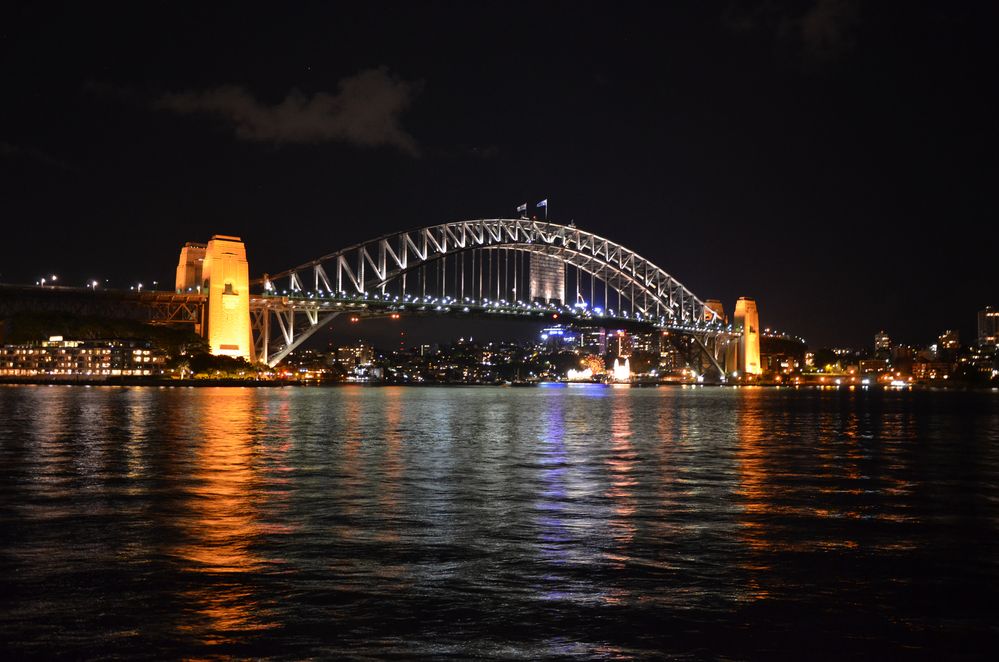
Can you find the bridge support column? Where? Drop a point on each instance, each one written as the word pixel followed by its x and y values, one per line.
pixel 744 356
pixel 227 283
pixel 711 352
pixel 291 334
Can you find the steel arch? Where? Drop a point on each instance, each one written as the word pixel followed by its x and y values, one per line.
pixel 371 265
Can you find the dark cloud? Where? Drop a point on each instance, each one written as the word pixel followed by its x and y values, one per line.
pixel 366 110
pixel 34 155
pixel 826 29
pixel 822 30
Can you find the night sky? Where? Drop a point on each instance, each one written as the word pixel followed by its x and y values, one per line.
pixel 834 159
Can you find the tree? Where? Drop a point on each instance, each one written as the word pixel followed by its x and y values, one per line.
pixel 824 357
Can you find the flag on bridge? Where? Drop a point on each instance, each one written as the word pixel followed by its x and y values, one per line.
pixel 543 203
pixel 522 208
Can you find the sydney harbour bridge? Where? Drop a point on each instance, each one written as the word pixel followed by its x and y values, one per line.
pixel 488 268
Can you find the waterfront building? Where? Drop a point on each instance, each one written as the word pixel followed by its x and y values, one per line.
pixel 872 366
pixel 780 363
pixel 947 347
pixel 902 357
pixel 361 354
pixel 930 370
pixel 558 337
pixel 982 361
pixel 671 358
pixel 57 358
pixel 623 344
pixel 593 341
pixel 882 345
pixel 650 343
pixel 988 327
pixel 949 340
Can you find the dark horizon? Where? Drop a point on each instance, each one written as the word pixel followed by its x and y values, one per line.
pixel 834 160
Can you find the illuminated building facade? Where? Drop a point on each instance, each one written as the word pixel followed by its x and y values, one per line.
pixel 948 346
pixel 671 357
pixel 226 279
pixel 743 356
pixel 357 355
pixel 88 359
pixel 190 267
pixel 547 278
pixel 949 340
pixel 882 345
pixel 623 344
pixel 648 342
pixel 988 327
pixel 593 341
pixel 930 370
pixel 558 337
pixel 873 366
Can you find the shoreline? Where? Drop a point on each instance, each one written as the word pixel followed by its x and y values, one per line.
pixel 140 381
pixel 203 383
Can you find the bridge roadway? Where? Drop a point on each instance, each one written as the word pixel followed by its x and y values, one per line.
pixel 375 305
pixel 152 306
pixel 167 307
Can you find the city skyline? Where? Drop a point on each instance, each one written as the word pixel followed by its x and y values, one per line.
pixel 773 163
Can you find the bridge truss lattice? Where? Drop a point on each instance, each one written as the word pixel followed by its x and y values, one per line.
pixel 476 267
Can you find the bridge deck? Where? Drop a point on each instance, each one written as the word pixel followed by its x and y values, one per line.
pixel 154 306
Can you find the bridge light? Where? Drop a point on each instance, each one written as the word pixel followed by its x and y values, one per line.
pixel 554 316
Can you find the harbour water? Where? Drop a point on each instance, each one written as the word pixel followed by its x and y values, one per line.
pixel 579 522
